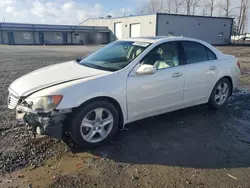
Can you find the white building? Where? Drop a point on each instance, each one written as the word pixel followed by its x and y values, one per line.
pixel 215 30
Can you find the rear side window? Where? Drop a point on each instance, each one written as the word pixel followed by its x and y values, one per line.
pixel 210 55
pixel 195 52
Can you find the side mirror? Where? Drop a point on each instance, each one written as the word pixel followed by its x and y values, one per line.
pixel 146 69
pixel 79 59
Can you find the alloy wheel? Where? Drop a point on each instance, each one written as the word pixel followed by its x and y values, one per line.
pixel 96 125
pixel 221 93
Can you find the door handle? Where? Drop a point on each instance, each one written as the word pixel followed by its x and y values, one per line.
pixel 177 74
pixel 212 67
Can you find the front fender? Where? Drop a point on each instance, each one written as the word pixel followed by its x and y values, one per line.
pixel 77 92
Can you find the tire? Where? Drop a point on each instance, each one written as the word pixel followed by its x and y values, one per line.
pixel 80 129
pixel 213 100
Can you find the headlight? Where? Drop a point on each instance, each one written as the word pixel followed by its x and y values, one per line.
pixel 45 104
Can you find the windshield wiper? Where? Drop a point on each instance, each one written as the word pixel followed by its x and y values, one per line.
pixel 88 65
pixel 98 67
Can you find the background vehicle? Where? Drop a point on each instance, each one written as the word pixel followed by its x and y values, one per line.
pixel 125 81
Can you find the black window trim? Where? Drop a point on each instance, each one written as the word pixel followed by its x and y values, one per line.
pixel 181 54
pixel 206 48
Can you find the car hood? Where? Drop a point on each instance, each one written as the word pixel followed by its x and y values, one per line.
pixel 52 75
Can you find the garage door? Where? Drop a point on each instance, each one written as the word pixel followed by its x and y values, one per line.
pixel 135 30
pixel 118 30
pixel 101 38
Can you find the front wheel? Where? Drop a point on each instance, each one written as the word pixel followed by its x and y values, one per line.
pixel 220 93
pixel 94 124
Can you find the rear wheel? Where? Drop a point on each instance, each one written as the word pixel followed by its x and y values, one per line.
pixel 94 124
pixel 220 93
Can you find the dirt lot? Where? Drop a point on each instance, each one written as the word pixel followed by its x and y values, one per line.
pixel 194 147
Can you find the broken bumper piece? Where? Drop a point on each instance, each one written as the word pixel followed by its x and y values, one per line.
pixel 43 123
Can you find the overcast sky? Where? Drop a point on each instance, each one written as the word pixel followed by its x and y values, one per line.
pixel 68 11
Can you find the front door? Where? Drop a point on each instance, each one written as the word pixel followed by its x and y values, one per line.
pixel 11 38
pixel 200 72
pixel 65 38
pixel 41 37
pixel 159 92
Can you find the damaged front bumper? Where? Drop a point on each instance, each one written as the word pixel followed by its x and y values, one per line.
pixel 41 123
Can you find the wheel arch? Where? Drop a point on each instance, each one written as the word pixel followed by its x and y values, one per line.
pixel 108 99
pixel 230 80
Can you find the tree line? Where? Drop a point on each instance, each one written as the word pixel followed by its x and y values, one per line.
pixel 223 8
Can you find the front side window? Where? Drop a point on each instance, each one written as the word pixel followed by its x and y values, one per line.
pixel 115 56
pixel 164 56
pixel 195 52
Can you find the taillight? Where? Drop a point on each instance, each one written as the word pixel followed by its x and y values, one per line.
pixel 238 64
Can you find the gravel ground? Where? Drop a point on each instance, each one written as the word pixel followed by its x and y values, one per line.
pixel 194 147
pixel 15 61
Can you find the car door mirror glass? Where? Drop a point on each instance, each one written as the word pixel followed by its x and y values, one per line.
pixel 145 69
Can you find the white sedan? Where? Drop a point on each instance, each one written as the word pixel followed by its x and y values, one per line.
pixel 127 80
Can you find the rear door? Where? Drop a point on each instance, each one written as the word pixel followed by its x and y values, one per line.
pixel 201 71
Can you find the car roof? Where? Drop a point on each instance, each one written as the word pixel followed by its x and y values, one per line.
pixel 154 39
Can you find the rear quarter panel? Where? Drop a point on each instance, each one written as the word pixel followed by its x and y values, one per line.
pixel 228 67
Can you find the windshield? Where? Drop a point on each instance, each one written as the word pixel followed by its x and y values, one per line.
pixel 115 56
